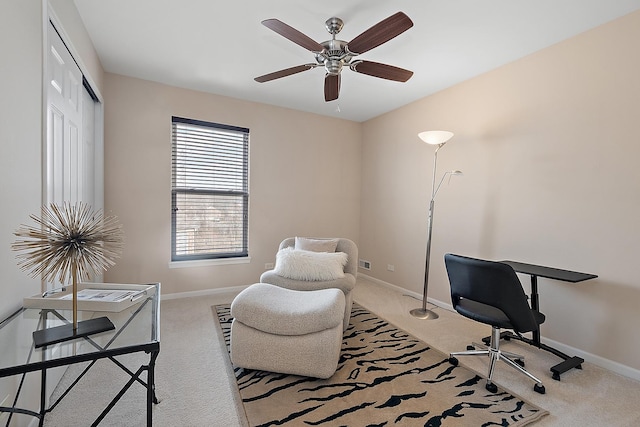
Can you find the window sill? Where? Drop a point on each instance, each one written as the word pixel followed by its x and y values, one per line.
pixel 209 262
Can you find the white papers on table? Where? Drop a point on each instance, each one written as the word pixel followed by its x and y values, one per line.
pixel 106 295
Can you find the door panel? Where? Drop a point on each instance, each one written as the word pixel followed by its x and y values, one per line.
pixel 64 111
pixel 55 132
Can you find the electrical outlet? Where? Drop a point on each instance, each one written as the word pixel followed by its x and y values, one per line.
pixel 268 266
pixel 391 267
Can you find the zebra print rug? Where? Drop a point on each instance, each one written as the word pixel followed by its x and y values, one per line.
pixel 385 377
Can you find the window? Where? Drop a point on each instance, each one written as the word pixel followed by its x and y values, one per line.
pixel 209 190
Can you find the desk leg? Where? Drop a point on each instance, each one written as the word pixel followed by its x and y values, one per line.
pixel 151 387
pixel 562 367
pixel 43 397
pixel 569 362
pixel 535 305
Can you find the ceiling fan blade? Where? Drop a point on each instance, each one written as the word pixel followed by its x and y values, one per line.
pixel 382 71
pixel 331 87
pixel 292 34
pixel 284 73
pixel 380 33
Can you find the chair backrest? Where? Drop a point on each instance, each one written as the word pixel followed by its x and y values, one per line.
pixel 344 245
pixel 492 283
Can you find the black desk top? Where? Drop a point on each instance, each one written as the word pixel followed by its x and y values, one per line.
pixel 549 273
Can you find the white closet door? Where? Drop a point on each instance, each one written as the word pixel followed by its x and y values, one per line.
pixel 65 166
pixel 71 156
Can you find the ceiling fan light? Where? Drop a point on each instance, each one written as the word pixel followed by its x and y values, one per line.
pixel 333 67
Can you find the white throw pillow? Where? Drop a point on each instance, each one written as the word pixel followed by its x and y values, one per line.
pixel 309 265
pixel 316 245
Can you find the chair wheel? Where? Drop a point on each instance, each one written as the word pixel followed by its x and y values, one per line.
pixel 539 388
pixel 492 387
pixel 470 347
pixel 453 361
pixel 519 362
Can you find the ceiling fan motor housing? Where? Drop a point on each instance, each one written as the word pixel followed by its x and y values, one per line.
pixel 334 56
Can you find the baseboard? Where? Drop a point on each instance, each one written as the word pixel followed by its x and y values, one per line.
pixel 412 294
pixel 205 292
pixel 602 362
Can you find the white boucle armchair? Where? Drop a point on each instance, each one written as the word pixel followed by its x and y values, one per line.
pixel 346 284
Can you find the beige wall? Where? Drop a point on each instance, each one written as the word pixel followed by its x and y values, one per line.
pixel 302 180
pixel 549 146
pixel 21 139
pixel 20 172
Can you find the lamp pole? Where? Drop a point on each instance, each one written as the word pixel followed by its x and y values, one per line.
pixel 438 138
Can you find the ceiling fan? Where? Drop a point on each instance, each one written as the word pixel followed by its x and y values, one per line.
pixel 334 54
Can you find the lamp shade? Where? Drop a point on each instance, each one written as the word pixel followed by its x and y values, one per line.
pixel 435 137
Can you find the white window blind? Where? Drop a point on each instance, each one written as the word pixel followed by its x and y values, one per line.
pixel 210 190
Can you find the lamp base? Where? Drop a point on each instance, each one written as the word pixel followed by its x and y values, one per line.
pixel 424 314
pixel 62 333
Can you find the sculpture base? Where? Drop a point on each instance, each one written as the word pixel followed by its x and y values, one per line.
pixel 424 314
pixel 62 333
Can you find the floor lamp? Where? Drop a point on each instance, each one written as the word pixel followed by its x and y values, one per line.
pixel 439 138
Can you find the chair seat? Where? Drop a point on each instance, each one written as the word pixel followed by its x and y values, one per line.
pixel 490 315
pixel 281 311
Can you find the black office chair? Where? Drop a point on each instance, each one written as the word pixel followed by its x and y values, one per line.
pixel 490 292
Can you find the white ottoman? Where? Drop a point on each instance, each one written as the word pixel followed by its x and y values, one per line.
pixel 282 330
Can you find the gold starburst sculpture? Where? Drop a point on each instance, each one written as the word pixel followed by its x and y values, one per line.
pixel 69 241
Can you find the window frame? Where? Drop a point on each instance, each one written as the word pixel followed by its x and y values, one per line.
pixel 214 257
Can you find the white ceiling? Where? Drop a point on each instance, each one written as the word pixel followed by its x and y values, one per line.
pixel 219 46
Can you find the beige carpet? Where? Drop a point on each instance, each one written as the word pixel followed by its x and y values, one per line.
pixel 195 390
pixel 384 377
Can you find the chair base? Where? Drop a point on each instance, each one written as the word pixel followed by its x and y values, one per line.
pixel 493 351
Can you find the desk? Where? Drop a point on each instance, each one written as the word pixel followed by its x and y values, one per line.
pixel 536 271
pixel 137 329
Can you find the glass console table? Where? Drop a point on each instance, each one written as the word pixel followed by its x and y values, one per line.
pixel 137 329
